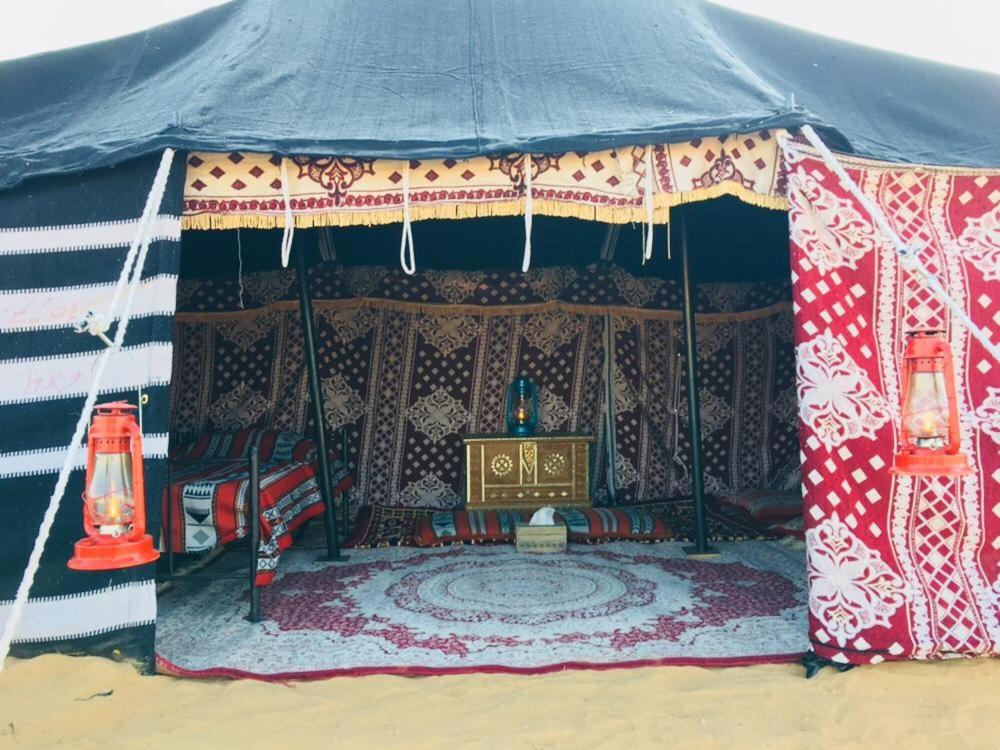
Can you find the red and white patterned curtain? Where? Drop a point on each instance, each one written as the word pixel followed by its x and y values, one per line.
pixel 899 567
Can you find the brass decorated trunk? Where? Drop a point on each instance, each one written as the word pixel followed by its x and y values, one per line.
pixel 504 471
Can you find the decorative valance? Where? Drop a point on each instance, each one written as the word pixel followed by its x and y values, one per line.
pixel 240 189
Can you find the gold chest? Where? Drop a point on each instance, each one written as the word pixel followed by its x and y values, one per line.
pixel 504 471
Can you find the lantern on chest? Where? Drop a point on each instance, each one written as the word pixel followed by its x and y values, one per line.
pixel 114 499
pixel 929 429
pixel 522 406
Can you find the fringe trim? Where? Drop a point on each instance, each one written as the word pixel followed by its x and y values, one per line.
pixel 662 204
pixel 482 310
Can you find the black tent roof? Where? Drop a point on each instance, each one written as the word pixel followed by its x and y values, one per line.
pixel 465 77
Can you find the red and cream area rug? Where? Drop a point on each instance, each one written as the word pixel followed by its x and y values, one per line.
pixel 490 609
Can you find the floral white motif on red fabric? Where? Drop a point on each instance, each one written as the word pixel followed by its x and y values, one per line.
pixel 987 416
pixel 831 231
pixel 851 588
pixel 980 243
pixel 837 400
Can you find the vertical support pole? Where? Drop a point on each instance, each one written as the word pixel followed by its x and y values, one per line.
pixel 316 397
pixel 168 532
pixel 700 547
pixel 253 524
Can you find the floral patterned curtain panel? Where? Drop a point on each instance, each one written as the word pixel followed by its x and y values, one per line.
pixel 899 567
pixel 408 378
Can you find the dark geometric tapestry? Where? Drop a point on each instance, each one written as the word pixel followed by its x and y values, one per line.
pixel 410 365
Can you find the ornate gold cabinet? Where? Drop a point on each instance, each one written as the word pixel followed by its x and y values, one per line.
pixel 504 471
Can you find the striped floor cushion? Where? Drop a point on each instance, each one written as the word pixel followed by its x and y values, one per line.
pixel 468 526
pixel 597 525
pixel 766 505
pixel 380 526
pixel 794 527
pixel 591 525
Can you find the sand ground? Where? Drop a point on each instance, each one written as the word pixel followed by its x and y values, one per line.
pixel 46 702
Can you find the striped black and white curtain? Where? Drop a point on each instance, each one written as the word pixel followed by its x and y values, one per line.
pixel 63 242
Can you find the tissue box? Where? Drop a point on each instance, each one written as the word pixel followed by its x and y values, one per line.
pixel 541 539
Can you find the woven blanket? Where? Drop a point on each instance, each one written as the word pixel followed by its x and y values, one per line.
pixel 211 507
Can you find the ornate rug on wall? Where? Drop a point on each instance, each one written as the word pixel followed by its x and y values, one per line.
pixel 491 609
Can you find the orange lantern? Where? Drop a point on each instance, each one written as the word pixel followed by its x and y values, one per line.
pixel 929 430
pixel 114 501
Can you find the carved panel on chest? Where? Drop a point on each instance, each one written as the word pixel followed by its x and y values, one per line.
pixel 504 471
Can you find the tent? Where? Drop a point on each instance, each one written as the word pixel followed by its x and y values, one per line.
pixel 346 114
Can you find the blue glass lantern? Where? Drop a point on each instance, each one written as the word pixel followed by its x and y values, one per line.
pixel 522 406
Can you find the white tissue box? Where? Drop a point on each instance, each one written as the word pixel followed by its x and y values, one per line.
pixel 541 539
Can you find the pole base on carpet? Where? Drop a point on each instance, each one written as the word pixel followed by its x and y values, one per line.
pixel 691 550
pixel 339 557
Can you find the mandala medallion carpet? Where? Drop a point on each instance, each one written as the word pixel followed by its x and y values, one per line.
pixel 492 609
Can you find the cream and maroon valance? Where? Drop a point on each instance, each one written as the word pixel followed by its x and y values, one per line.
pixel 225 191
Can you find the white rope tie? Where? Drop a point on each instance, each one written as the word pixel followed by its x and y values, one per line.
pixel 909 256
pixel 406 257
pixel 670 250
pixel 647 197
pixel 137 253
pixel 286 238
pixel 526 263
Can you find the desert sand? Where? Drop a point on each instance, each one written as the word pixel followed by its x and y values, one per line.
pixel 59 701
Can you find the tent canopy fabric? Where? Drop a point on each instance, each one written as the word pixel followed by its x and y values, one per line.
pixel 459 78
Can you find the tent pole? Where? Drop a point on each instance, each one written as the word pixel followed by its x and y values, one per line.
pixel 316 397
pixel 700 548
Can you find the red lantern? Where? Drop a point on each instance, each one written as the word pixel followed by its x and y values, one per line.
pixel 114 501
pixel 929 430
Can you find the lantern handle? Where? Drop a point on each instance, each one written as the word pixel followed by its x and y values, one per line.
pixel 138 482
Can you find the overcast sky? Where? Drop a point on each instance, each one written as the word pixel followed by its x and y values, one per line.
pixel 961 32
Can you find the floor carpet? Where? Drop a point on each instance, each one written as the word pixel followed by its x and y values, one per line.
pixel 492 609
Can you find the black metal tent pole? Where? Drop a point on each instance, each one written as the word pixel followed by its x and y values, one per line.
pixel 700 546
pixel 316 397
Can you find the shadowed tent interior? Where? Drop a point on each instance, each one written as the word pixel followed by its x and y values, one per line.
pixel 739 251
pixel 729 240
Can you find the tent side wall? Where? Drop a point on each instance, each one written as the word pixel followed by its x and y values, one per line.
pixel 899 567
pixel 63 241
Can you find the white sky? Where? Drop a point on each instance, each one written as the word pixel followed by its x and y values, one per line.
pixel 961 32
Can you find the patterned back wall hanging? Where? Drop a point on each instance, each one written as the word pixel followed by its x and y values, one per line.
pixel 408 378
pixel 899 567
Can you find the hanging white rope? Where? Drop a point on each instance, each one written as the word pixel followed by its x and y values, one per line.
pixel 670 250
pixel 138 251
pixel 647 198
pixel 909 256
pixel 526 263
pixel 406 257
pixel 289 233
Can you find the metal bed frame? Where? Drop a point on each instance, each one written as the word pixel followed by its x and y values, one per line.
pixel 253 522
pixel 325 481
